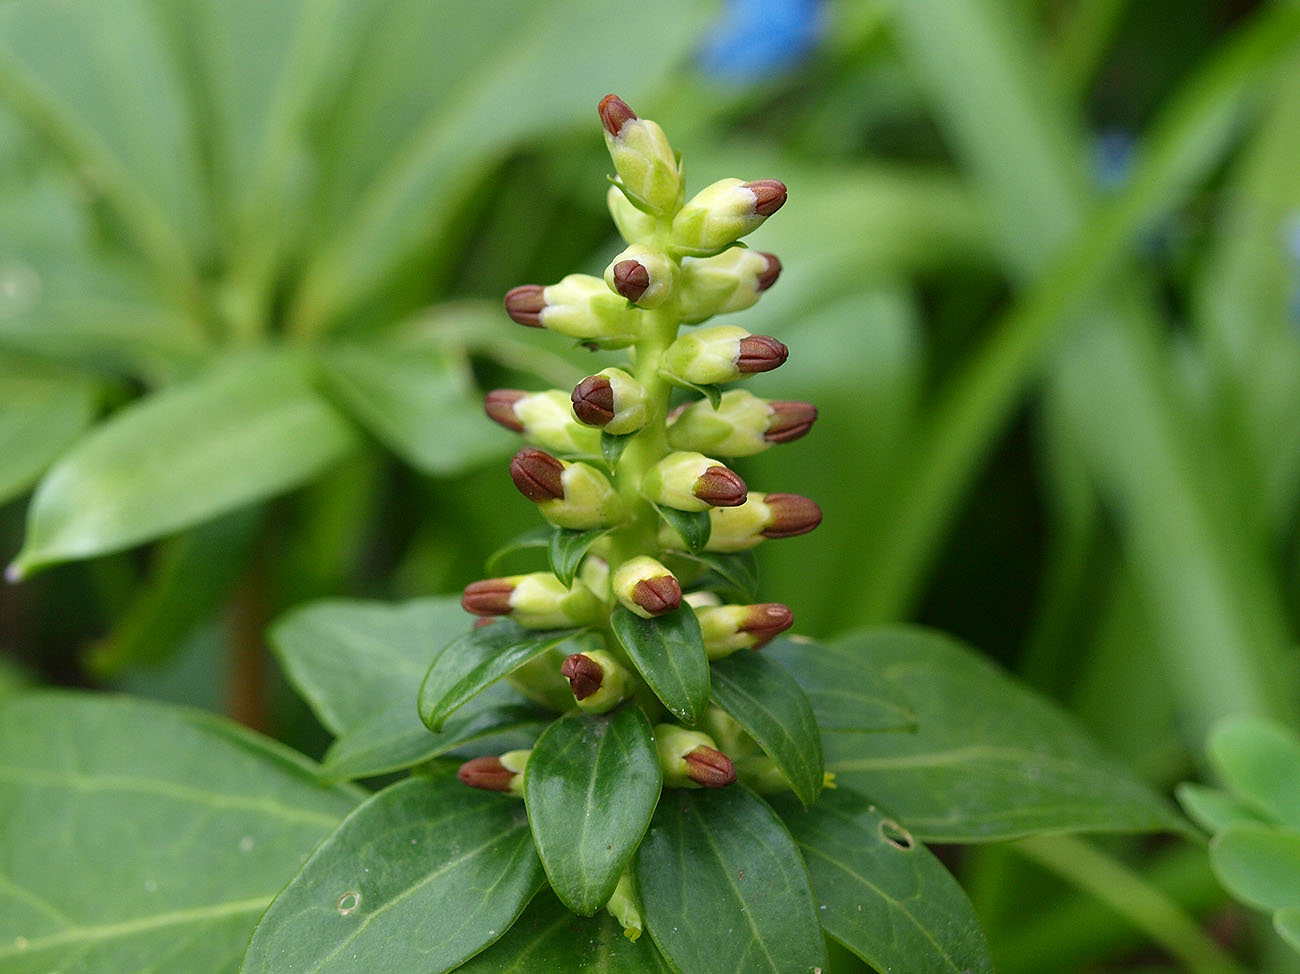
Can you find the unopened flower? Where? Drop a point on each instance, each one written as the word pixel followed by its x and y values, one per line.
pixel 693 482
pixel 642 275
pixel 536 601
pixel 761 516
pixel 691 759
pixel 723 353
pixel 645 587
pixel 579 306
pixel 543 418
pixel 742 425
pixel 727 628
pixel 646 164
pixel 569 495
pixel 504 774
pixel 719 215
pixel 599 682
pixel 731 281
pixel 612 400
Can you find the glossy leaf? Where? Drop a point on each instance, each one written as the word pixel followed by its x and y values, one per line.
pixel 477 660
pixel 883 894
pixel 612 447
pixel 738 569
pixel 351 659
pixel 764 699
pixel 40 419
pixel 847 693
pixel 1259 864
pixel 668 652
pixel 722 883
pixel 694 527
pixel 249 429
pixel 989 759
pixel 591 787
pixel 550 938
pixel 395 738
pixel 191 825
pixel 567 549
pixel 418 402
pixel 423 875
pixel 1259 761
pixel 1214 810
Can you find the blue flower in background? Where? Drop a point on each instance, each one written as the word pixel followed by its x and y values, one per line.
pixel 757 38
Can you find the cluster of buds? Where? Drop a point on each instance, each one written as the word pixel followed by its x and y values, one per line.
pixel 610 457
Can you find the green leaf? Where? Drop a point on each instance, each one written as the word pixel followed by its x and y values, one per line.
pixel 1259 760
pixel 989 759
pixel 477 660
pixel 249 429
pixel 536 538
pixel 395 738
pixel 1259 864
pixel 418 402
pixel 1214 810
pixel 668 652
pixel 722 885
pixel 591 786
pixel 693 526
pixel 612 447
pixel 764 699
pixel 846 691
pixel 423 876
pixel 1287 925
pixel 40 419
pixel 350 659
pixel 550 938
pixel 567 548
pixel 737 569
pixel 194 823
pixel 887 898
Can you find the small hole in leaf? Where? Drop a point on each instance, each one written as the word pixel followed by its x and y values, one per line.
pixel 349 902
pixel 896 835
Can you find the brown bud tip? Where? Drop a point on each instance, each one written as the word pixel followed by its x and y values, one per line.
pixel 631 279
pixel 790 515
pixel 769 195
pixel 614 113
pixel 767 621
pixel 537 475
pixel 789 421
pixel 761 353
pixel 583 673
pixel 499 404
pixel 525 304
pixel 720 487
pixel 770 273
pixel 657 595
pixel 490 597
pixel 593 400
pixel 487 773
pixel 709 767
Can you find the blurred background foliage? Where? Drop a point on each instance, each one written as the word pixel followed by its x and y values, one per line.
pixel 1042 278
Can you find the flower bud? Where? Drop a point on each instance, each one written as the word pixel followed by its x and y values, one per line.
pixel 690 759
pixel 599 682
pixel 536 601
pixel 642 275
pixel 544 418
pixel 761 516
pixel 647 167
pixel 727 628
pixel 569 495
pixel 723 353
pixel 646 587
pixel 504 774
pixel 719 215
pixel 611 399
pixel 579 306
pixel 692 482
pixel 731 281
pixel 790 515
pixel 625 907
pixel 634 226
pixel 741 426
pixel 789 420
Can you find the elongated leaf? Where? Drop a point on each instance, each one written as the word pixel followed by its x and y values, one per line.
pixel 417 402
pixel 765 700
pixel 885 896
pixel 738 569
pixel 39 419
pixel 185 827
pixel 251 428
pixel 722 883
pixel 396 738
pixel 550 938
pixel 989 759
pixel 1260 761
pixel 591 787
pixel 423 875
pixel 1259 864
pixel 475 661
pixel 1215 810
pixel 846 691
pixel 694 527
pixel 352 659
pixel 567 549
pixel 1287 924
pixel 668 651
